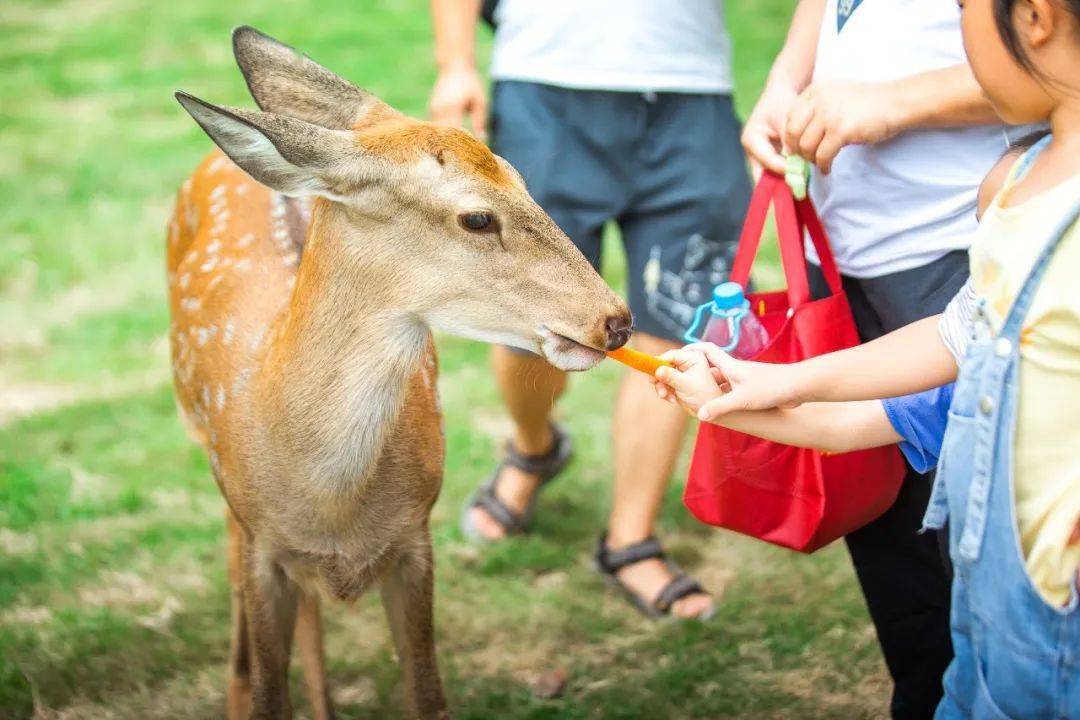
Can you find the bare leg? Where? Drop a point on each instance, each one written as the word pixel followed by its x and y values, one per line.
pixel 529 386
pixel 238 702
pixel 645 454
pixel 270 600
pixel 309 645
pixel 407 594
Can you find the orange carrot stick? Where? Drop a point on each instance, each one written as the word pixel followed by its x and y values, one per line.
pixel 637 360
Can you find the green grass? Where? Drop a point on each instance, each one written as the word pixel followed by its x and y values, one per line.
pixel 113 599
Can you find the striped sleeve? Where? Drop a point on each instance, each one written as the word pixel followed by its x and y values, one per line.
pixel 957 322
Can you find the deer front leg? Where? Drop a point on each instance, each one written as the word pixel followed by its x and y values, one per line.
pixel 238 702
pixel 309 645
pixel 407 593
pixel 270 600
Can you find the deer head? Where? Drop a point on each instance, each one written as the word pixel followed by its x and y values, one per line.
pixel 424 216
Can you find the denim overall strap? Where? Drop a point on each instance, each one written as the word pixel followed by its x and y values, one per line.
pixel 993 386
pixel 937 509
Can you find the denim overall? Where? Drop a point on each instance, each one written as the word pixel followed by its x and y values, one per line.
pixel 1016 656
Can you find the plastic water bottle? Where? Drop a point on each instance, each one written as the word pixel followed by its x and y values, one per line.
pixel 729 324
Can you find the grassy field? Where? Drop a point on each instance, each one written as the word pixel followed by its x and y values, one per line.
pixel 113 599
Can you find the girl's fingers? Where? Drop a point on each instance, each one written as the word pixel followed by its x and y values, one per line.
pixel 719 359
pixel 720 406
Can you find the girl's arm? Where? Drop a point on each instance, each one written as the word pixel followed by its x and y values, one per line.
pixel 905 361
pixel 831 427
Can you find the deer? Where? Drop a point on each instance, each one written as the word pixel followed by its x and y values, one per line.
pixel 310 257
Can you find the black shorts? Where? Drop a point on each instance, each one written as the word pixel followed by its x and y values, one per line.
pixel 666 167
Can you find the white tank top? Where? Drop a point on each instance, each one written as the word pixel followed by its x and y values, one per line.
pixel 633 45
pixel 903 203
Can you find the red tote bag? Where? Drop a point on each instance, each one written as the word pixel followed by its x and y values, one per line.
pixel 797 498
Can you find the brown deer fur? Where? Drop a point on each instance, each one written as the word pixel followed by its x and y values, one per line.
pixel 310 378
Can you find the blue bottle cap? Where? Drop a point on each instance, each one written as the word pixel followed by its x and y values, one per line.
pixel 727 296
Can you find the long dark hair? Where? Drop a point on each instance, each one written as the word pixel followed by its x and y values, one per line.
pixel 1003 11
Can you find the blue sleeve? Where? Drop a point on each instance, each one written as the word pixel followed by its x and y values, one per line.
pixel 920 420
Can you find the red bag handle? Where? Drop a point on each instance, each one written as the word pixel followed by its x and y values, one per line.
pixel 792 219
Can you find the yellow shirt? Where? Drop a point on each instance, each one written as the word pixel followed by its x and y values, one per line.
pixel 1046 452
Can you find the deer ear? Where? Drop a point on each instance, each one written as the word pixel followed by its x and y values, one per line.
pixel 286 82
pixel 286 154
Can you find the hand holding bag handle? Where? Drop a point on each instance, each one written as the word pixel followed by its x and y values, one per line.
pixel 792 217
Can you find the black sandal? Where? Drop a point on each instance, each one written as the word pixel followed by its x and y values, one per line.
pixel 546 467
pixel 610 562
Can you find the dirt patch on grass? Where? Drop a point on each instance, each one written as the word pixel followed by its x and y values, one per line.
pixel 17 543
pixel 20 399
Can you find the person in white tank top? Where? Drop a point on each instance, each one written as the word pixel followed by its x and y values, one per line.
pixel 877 94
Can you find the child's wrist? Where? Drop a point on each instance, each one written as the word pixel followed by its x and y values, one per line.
pixel 803 383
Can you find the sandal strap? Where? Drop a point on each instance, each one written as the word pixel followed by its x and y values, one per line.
pixel 544 466
pixel 612 561
pixel 676 590
pixel 511 522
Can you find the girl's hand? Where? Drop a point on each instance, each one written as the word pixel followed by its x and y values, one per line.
pixel 747 385
pixel 690 382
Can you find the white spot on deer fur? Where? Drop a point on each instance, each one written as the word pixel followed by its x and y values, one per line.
pixel 227 334
pixel 205 335
pixel 213 247
pixel 241 380
pixel 277 205
pixel 242 189
pixel 290 282
pixel 290 260
pixel 214 282
pixel 185 280
pixel 191 219
pixel 256 339
pixel 204 397
pixel 216 165
pixel 190 304
pixel 219 189
pixel 209 265
pixel 243 265
pixel 245 240
pixel 220 397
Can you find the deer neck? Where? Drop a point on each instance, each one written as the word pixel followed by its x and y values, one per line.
pixel 339 364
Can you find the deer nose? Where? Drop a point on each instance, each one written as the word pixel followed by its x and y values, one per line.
pixel 617 330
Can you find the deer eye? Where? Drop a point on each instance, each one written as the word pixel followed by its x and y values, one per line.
pixel 477 221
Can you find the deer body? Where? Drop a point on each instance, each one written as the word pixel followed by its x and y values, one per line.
pixel 334 487
pixel 302 353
